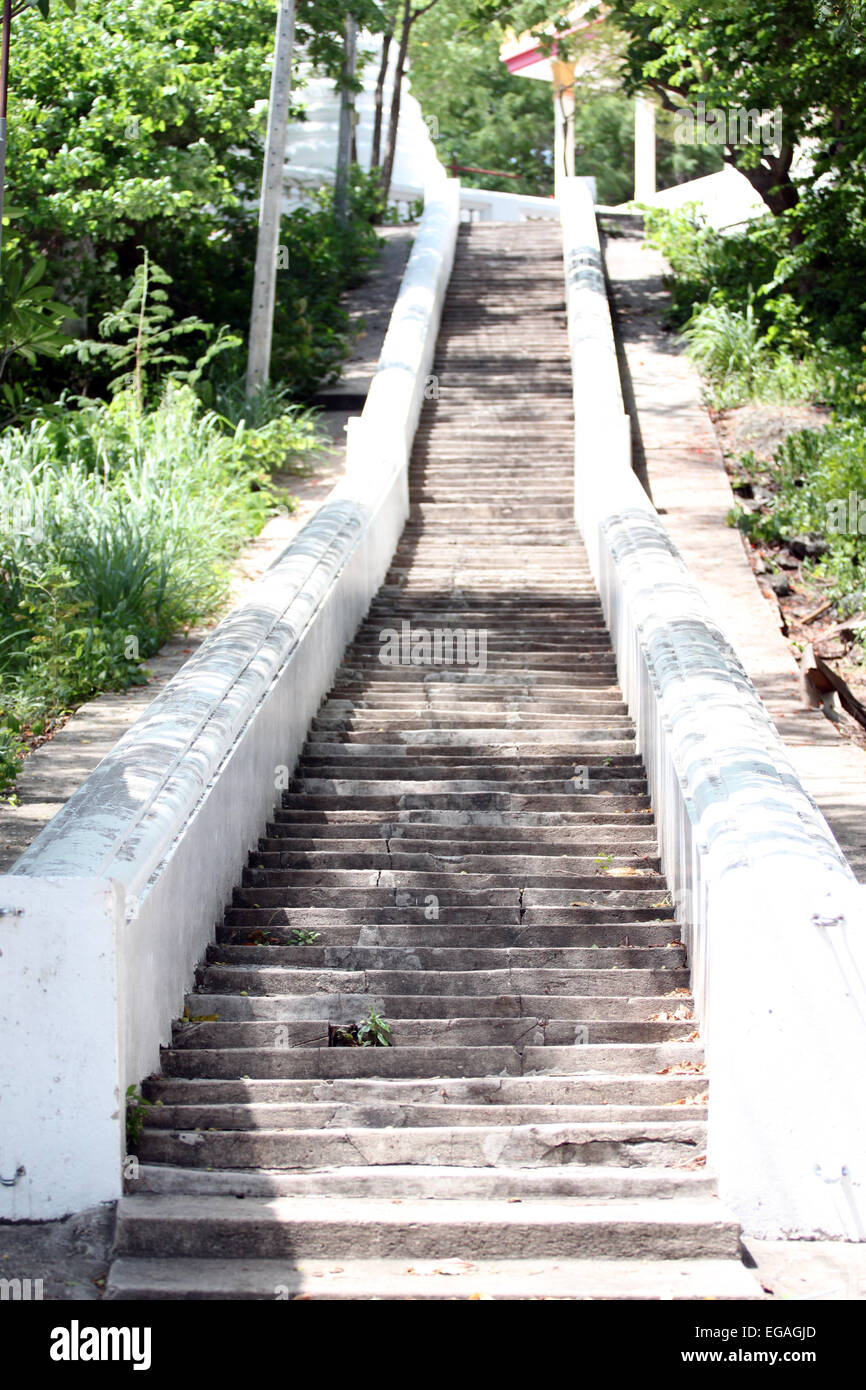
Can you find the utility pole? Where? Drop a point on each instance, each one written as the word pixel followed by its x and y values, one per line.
pixel 347 124
pixel 270 208
pixel 4 98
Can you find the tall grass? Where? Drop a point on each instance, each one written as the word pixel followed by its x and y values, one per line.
pixel 116 529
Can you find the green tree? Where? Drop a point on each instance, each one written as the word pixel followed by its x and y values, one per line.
pixel 480 114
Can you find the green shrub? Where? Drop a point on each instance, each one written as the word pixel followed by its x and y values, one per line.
pixel 813 478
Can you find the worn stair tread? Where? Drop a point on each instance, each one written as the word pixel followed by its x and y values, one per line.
pixel 447 1278
pixel 586 1183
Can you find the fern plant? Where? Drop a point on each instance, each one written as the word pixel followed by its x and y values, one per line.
pixel 149 336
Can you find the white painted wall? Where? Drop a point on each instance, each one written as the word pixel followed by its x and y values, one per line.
pixel 774 921
pixel 311 146
pixel 120 893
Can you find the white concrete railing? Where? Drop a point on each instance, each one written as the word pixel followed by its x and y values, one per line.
pixel 104 918
pixel 774 922
pixel 480 205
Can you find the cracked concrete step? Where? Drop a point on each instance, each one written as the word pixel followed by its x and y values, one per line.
pixel 542 1030
pixel 569 741
pixel 616 1009
pixel 650 1143
pixel 393 1115
pixel 581 1182
pixel 430 817
pixel 637 888
pixel 450 1279
pixel 392 800
pixel 268 866
pixel 507 935
pixel 601 981
pixel 281 1063
pixel 635 1089
pixel 409 832
pixel 447 959
pixel 331 1228
pixel 457 914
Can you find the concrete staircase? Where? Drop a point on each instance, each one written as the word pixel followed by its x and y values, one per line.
pixel 473 845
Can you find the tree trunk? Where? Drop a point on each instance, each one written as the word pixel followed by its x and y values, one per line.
pixel 771 179
pixel 347 111
pixel 376 152
pixel 271 206
pixel 394 121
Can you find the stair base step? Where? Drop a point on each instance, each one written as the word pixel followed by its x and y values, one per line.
pixel 276 1280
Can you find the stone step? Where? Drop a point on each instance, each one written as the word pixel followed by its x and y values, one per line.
pixel 588 1183
pixel 340 1007
pixel 612 1088
pixel 334 1227
pixel 446 959
pixel 543 1030
pixel 324 1115
pixel 450 914
pixel 431 817
pixel 626 841
pixel 451 1278
pixel 427 933
pixel 281 1063
pixel 636 886
pixel 651 1143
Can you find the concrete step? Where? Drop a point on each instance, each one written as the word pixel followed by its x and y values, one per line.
pixel 593 1183
pixel 338 1007
pixel 285 1063
pixel 333 1228
pixel 446 1031
pixel 452 1278
pixel 324 1115
pixel 593 935
pixel 612 1143
pixel 624 1089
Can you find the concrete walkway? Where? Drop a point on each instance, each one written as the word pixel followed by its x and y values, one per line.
pixel 679 458
pixel 55 770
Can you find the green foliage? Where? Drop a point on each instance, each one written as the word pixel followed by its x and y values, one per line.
pixel 137 1107
pixel 116 527
pixel 750 337
pixel 147 324
pixel 141 126
pixel 31 321
pixel 478 112
pixel 374 1031
pixel 812 479
pixel 604 147
pixel 301 937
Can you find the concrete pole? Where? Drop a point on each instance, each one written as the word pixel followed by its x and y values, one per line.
pixel 347 125
pixel 563 118
pixel 4 96
pixel 644 149
pixel 270 208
